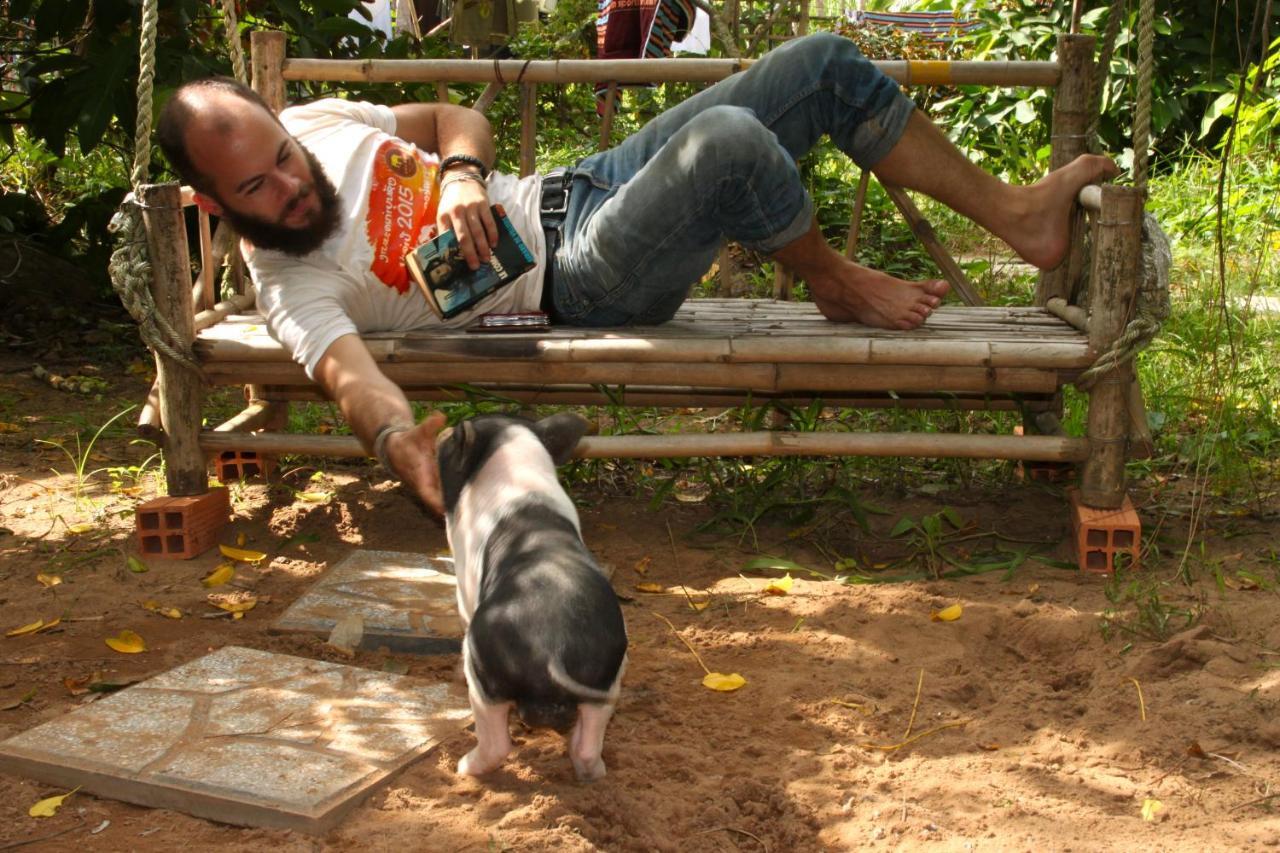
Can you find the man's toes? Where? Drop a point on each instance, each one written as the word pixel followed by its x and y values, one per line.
pixel 937 288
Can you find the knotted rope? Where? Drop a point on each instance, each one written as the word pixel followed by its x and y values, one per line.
pixel 1153 305
pixel 129 267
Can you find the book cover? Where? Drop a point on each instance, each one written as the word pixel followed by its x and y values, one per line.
pixel 450 286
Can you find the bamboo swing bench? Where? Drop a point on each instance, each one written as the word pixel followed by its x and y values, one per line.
pixel 716 352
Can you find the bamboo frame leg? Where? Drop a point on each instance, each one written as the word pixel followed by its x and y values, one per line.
pixel 855 218
pixel 928 238
pixel 181 391
pixel 1113 288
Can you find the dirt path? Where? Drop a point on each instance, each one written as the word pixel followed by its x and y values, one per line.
pixel 1030 720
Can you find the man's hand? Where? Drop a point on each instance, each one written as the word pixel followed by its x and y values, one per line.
pixel 412 455
pixel 464 209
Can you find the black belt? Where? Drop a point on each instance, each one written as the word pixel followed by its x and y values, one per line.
pixel 555 203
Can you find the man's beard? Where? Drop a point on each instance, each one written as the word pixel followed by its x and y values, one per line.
pixel 296 242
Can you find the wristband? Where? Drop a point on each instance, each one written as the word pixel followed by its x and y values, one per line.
pixel 464 159
pixel 463 176
pixel 380 443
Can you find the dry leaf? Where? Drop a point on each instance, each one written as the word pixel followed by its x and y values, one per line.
pixel 48 580
pixel 989 747
pixel 347 633
pixel 723 683
pixel 642 566
pixel 650 587
pixel 48 807
pixel 157 607
pixel 699 605
pixel 235 603
pixel 83 527
pixel 946 614
pixel 219 576
pixel 241 554
pixel 26 629
pixel 5 426
pixel 46 626
pixel 1150 808
pixel 314 497
pixel 779 586
pixel 77 686
pixel 18 702
pixel 136 566
pixel 127 643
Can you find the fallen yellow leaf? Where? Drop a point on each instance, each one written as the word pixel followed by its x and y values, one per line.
pixel 127 643
pixel 1150 808
pixel 47 581
pixel 233 602
pixel 241 554
pixel 779 586
pixel 723 683
pixel 946 614
pixel 642 566
pixel 136 566
pixel 48 807
pixel 650 587
pixel 699 605
pixel 83 527
pixel 8 427
pixel 46 626
pixel 26 629
pixel 157 607
pixel 219 576
pixel 314 497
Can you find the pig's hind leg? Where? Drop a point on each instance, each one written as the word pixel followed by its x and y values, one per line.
pixel 493 739
pixel 586 742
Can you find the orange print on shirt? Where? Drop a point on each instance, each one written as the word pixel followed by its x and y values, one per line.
pixel 402 209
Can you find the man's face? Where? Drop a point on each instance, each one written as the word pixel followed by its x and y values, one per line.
pixel 265 183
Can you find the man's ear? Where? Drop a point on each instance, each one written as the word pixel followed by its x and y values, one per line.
pixel 207 204
pixel 559 433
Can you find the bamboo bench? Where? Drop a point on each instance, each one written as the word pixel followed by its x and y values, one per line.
pixel 716 352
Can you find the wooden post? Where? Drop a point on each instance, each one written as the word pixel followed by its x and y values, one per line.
pixel 528 128
pixel 1113 288
pixel 266 50
pixel 181 391
pixel 855 219
pixel 606 120
pixel 1067 141
pixel 923 231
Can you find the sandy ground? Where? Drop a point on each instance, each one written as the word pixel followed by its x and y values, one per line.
pixel 1030 720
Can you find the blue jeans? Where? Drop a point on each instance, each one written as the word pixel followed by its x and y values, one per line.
pixel 645 219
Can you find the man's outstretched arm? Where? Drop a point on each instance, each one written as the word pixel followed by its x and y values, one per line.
pixel 449 130
pixel 374 405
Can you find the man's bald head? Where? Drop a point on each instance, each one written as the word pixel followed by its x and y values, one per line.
pixel 211 104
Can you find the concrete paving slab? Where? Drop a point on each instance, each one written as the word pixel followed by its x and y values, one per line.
pixel 408 602
pixel 246 737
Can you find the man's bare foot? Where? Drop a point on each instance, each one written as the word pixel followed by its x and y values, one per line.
pixel 1039 222
pixel 851 293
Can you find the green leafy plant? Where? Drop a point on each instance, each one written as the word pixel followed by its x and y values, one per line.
pixel 83 452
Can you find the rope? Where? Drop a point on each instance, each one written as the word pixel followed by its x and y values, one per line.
pixel 1102 70
pixel 129 267
pixel 1153 304
pixel 234 47
pixel 1142 112
pixel 1152 308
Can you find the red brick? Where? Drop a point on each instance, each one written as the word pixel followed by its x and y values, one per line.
pixel 182 527
pixel 234 465
pixel 1100 535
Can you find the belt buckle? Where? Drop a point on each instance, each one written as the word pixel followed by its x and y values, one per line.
pixel 555 191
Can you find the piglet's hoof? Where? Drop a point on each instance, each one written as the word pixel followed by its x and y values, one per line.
pixel 473 764
pixel 589 771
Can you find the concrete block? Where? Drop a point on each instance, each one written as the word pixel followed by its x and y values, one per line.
pixel 245 737
pixel 408 602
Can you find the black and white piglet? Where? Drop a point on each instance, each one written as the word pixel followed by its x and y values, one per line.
pixel 544 630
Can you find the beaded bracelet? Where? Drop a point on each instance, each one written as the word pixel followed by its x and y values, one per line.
pixel 463 159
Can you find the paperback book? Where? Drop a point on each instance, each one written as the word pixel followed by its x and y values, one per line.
pixel 450 286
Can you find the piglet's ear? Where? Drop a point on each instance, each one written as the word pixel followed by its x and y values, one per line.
pixel 559 433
